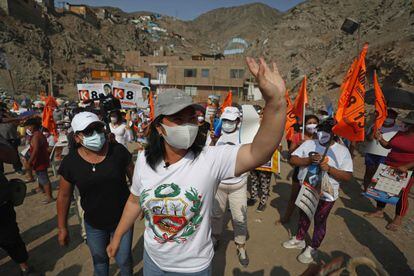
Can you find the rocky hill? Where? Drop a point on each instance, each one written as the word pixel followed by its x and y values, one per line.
pixel 308 40
pixel 220 25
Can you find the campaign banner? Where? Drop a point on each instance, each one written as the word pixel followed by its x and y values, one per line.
pixel 308 200
pixel 129 94
pixel 93 91
pixel 272 165
pixel 249 125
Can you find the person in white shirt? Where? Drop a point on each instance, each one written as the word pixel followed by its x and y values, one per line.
pixel 121 131
pixel 233 190
pixel 337 167
pixel 375 154
pixel 176 177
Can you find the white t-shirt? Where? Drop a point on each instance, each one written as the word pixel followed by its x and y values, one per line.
pixel 122 134
pixel 339 158
pixel 374 147
pixel 231 139
pixel 177 202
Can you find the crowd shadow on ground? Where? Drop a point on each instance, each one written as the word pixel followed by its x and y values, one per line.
pixel 385 251
pixel 45 256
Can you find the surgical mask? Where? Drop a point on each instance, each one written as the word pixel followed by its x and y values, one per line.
pixel 229 126
pixel 311 128
pixel 389 121
pixel 29 132
pixel 94 142
pixel 114 120
pixel 323 137
pixel 200 119
pixel 182 136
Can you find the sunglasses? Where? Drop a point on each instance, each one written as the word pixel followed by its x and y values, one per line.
pixel 90 130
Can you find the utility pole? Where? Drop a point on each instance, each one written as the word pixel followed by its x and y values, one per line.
pixel 50 73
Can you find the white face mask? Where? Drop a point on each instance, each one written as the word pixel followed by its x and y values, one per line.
pixel 114 120
pixel 29 132
pixel 200 119
pixel 323 137
pixel 180 137
pixel 229 126
pixel 311 128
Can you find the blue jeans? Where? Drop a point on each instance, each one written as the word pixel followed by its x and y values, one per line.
pixel 98 240
pixel 151 269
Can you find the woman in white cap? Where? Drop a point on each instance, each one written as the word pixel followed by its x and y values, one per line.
pixel 176 177
pixel 233 190
pixel 98 169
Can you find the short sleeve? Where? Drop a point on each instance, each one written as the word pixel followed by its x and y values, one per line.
pixel 136 188
pixel 64 169
pixel 303 150
pixel 223 159
pixel 347 164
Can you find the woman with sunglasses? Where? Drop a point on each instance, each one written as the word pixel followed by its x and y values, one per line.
pixel 99 170
pixel 176 177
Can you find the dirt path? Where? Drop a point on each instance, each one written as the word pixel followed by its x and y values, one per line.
pixel 349 234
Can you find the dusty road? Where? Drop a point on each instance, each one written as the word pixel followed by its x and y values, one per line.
pixel 349 234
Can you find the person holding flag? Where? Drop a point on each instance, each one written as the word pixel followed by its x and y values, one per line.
pixel 335 167
pixel 311 123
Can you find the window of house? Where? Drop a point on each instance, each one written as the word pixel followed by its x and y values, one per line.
pixel 236 73
pixel 205 73
pixel 191 90
pixel 190 73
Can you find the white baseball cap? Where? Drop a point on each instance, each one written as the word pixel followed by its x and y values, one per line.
pixel 83 119
pixel 230 113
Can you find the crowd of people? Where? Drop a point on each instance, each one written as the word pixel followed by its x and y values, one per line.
pixel 167 183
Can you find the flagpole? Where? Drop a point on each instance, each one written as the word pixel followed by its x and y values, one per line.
pixel 303 120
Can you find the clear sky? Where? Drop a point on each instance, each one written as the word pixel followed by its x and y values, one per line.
pixel 184 9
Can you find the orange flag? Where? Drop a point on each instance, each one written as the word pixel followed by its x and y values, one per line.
pixel 151 104
pixel 227 101
pixel 380 105
pixel 290 118
pixel 15 106
pixel 47 116
pixel 350 112
pixel 300 101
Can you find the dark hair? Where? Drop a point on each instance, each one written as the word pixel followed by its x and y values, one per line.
pixel 155 150
pixel 118 115
pixel 311 116
pixel 35 122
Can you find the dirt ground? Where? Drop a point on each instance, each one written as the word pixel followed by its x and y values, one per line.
pixel 349 234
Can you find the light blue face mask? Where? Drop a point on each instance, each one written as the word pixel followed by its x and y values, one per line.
pixel 94 142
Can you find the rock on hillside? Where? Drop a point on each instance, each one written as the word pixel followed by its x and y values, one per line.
pixel 308 40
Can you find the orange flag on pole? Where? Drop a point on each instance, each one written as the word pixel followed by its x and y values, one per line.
pixel 350 113
pixel 301 101
pixel 15 106
pixel 380 105
pixel 228 101
pixel 151 104
pixel 290 118
pixel 47 116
